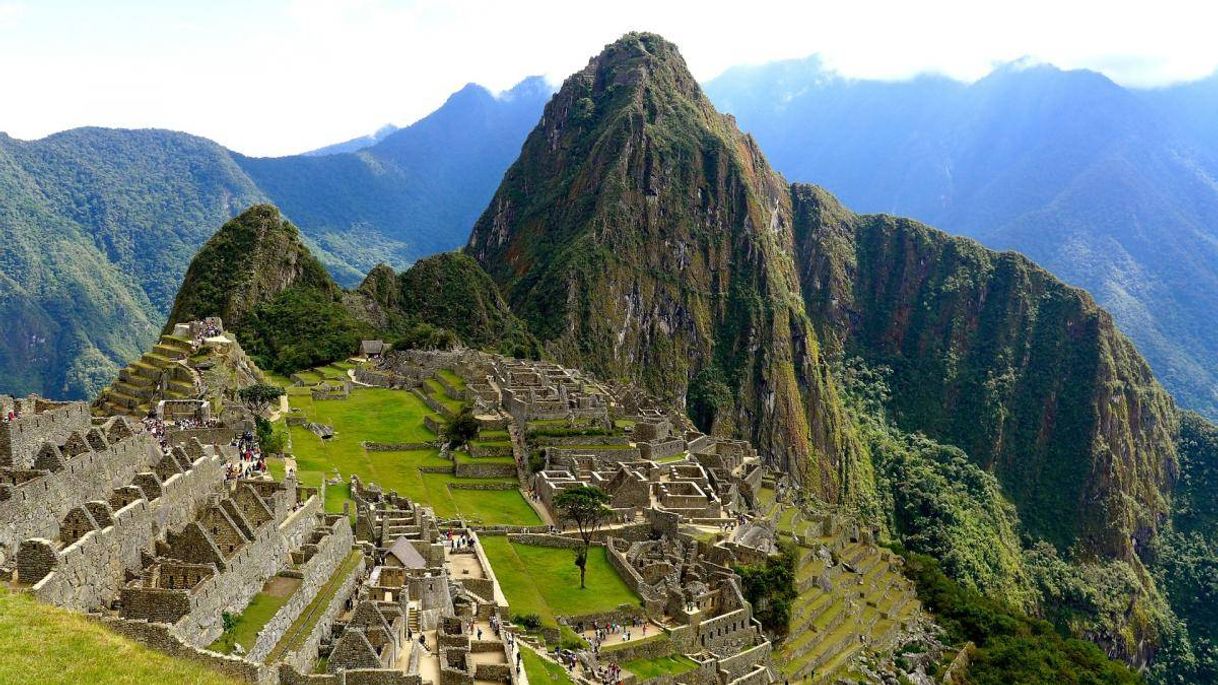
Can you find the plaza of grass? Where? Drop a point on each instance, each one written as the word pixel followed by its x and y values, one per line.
pixel 381 415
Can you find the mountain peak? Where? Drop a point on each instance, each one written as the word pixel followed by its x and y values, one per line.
pixel 253 257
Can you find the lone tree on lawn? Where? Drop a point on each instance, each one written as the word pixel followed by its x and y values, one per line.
pixel 585 506
pixel 259 395
pixel 462 428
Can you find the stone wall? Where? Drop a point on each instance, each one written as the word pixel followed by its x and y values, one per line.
pixel 20 439
pixel 396 446
pixel 246 572
pixel 303 658
pixel 331 550
pixel 739 664
pixel 475 469
pixel 207 436
pixel 159 637
pixel 90 571
pixel 34 508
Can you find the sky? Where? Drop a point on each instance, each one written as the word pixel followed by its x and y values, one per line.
pixel 284 76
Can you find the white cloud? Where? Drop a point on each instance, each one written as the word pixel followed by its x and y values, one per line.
pixel 275 78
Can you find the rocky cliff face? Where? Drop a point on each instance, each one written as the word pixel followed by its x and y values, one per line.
pixel 642 236
pixel 992 354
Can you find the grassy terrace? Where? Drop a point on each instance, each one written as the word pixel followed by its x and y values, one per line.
pixel 543 671
pixel 46 645
pixel 452 378
pixel 296 633
pixel 519 567
pixel 260 610
pixel 433 388
pixel 646 669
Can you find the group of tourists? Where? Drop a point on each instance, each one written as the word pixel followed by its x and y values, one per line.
pixel 459 542
pixel 601 633
pixel 609 673
pixel 11 415
pixel 250 460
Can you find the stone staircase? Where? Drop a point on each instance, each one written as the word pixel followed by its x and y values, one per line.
pixel 156 375
pixel 852 595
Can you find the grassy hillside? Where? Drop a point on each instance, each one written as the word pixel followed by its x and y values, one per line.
pixel 44 645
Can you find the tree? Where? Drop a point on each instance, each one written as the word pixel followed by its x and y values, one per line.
pixel 462 428
pixel 585 506
pixel 259 395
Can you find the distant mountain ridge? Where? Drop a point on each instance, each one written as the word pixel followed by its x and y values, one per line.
pixel 99 224
pixel 1111 189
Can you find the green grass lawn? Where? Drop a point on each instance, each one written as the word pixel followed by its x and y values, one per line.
pixel 452 378
pixel 45 645
pixel 545 580
pixel 646 669
pixel 542 671
pixel 437 393
pixel 260 610
pixel 393 416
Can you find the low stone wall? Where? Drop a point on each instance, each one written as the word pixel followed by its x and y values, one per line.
pixel 207 436
pixel 479 450
pixel 661 450
pixel 545 540
pixel 479 470
pixel 741 663
pixel 483 486
pixel 432 424
pixel 607 454
pixel 650 647
pixel 653 602
pixel 396 446
pixel 331 551
pixel 158 636
pixel 433 404
pixel 957 672
pixel 302 659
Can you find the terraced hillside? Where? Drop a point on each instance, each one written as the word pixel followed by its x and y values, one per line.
pixel 161 373
pixel 852 594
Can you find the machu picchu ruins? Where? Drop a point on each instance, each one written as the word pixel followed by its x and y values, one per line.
pixel 156 512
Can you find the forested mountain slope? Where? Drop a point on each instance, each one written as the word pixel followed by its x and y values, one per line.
pixel 1110 189
pixel 98 225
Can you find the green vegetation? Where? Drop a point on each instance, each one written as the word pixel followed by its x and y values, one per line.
pixel 243 629
pixel 519 566
pixel 1186 558
pixel 770 588
pixel 449 290
pixel 461 428
pixel 49 646
pixel 674 665
pixel 395 417
pixel 586 507
pixel 542 671
pixel 1011 648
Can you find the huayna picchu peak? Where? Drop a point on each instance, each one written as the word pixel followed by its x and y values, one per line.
pixel 666 419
